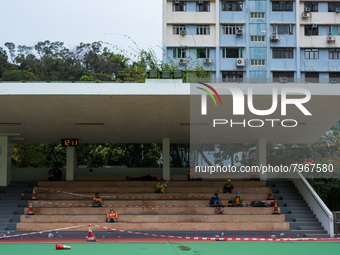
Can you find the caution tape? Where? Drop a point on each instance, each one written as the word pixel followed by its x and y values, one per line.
pixel 128 197
pixel 120 206
pixel 40 232
pixel 136 206
pixel 219 238
pixel 181 237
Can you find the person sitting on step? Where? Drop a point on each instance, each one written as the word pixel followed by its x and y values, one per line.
pixel 228 187
pixel 97 201
pixel 215 201
pixel 160 187
pixel 238 200
pixel 112 216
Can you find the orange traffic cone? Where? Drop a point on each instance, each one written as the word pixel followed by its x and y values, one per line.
pixel 276 208
pixel 30 209
pixel 90 237
pixel 270 196
pixel 62 247
pixel 34 196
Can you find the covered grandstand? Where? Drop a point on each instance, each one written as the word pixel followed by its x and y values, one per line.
pixel 155 112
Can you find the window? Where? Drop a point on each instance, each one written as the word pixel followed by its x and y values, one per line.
pixel 257 38
pixel 311 53
pixel 258 62
pixel 282 6
pixel 282 29
pixel 334 53
pixel 332 6
pixel 278 75
pixel 311 30
pixel 177 29
pixel 232 52
pixel 232 6
pixel 203 53
pixel 232 76
pixel 312 77
pixel 203 29
pixel 334 77
pixel 257 15
pixel 282 53
pixel 180 7
pixel 179 53
pixel 230 29
pixel 311 6
pixel 205 7
pixel 334 30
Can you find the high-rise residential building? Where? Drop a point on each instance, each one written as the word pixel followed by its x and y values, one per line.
pixel 277 40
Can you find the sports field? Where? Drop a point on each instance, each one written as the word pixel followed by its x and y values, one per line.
pixel 164 248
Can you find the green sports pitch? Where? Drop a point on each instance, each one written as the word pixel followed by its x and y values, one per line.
pixel 164 248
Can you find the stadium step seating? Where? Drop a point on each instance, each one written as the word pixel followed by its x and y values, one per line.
pixel 183 208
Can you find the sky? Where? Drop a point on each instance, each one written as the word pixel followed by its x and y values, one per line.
pixel 117 22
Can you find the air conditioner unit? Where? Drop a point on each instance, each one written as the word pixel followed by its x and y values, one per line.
pixel 274 37
pixel 182 61
pixel 307 9
pixel 239 31
pixel 315 25
pixel 330 38
pixel 207 61
pixel 306 15
pixel 337 10
pixel 240 62
pixel 200 1
pixel 332 80
pixel 183 32
pixel 176 1
pixel 283 79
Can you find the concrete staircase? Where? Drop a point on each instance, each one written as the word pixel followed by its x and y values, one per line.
pixel 296 210
pixel 13 200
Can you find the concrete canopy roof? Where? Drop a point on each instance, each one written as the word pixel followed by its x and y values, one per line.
pixel 138 113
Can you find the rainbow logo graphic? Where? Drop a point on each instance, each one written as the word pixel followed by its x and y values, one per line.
pixel 209 93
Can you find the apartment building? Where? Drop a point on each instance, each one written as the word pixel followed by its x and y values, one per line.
pixel 283 41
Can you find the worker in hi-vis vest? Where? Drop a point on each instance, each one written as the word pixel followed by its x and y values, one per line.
pixel 238 200
pixel 160 187
pixel 112 216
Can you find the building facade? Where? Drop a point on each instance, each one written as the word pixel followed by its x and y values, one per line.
pixel 283 41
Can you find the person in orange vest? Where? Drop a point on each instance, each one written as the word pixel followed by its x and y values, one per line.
pixel 238 200
pixel 97 201
pixel 112 216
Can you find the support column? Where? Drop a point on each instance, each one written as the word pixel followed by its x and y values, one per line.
pixel 166 158
pixel 5 162
pixel 261 155
pixel 70 163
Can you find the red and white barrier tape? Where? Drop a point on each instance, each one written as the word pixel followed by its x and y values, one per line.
pixel 120 206
pixel 40 232
pixel 219 238
pixel 135 206
pixel 181 237
pixel 127 197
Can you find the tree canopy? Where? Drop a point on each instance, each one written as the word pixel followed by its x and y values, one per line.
pixel 97 61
